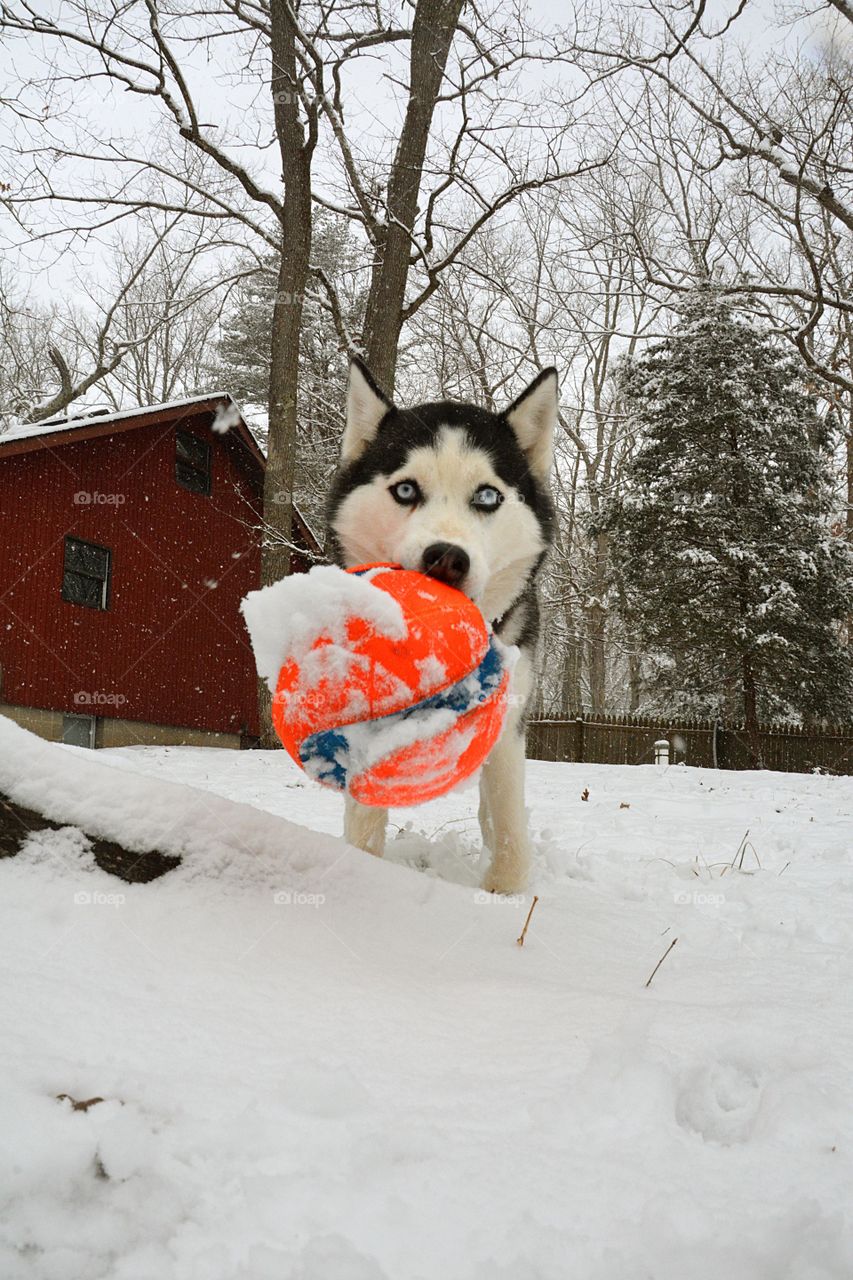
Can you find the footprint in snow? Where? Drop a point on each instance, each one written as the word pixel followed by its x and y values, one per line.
pixel 720 1101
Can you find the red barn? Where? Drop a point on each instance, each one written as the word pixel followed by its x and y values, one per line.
pixel 127 542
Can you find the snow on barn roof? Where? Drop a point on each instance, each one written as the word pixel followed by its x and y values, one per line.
pixel 97 417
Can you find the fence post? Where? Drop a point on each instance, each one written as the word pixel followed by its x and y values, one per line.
pixel 578 739
pixel 661 753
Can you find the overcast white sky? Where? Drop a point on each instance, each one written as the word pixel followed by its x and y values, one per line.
pixel 237 104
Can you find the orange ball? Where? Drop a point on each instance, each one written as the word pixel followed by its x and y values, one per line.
pixel 399 715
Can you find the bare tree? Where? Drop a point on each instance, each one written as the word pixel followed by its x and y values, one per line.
pixel 27 334
pixel 784 118
pixel 559 285
pixel 260 178
pixel 169 318
pixel 689 218
pixel 131 342
pixel 205 171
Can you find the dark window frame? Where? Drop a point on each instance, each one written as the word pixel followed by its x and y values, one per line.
pixel 91 723
pixel 193 463
pixel 105 581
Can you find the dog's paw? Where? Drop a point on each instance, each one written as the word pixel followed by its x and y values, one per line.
pixel 505 881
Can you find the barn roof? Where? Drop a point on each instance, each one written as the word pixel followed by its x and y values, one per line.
pixel 227 416
pixel 60 430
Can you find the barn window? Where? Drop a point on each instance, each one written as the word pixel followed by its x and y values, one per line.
pixel 86 579
pixel 192 462
pixel 79 731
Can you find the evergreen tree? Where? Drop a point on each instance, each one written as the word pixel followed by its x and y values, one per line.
pixel 721 539
pixel 243 358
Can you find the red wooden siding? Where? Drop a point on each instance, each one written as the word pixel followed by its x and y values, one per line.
pixel 171 647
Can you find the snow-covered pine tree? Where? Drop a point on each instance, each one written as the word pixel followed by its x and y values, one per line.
pixel 243 357
pixel 721 537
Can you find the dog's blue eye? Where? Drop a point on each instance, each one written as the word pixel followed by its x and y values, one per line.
pixel 406 492
pixel 487 498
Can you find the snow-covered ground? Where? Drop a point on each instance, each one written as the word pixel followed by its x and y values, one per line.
pixel 319 1066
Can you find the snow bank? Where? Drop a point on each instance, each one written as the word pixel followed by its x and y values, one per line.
pixel 318 1065
pixel 213 836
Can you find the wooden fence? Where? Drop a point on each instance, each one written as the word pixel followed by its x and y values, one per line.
pixel 603 739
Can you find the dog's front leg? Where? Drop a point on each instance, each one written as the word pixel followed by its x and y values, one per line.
pixel 502 815
pixel 364 826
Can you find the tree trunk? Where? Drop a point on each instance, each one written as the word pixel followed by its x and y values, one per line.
pixel 433 29
pixel 849 449
pixel 596 616
pixel 750 712
pixel 635 682
pixel 848 442
pixel 295 153
pixel 570 691
pixel 844 407
pixel 596 623
pixel 295 157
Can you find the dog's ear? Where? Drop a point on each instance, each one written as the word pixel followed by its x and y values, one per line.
pixel 533 418
pixel 366 407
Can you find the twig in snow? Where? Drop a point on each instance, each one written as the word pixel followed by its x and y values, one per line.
pixel 660 962
pixel 741 852
pixel 520 938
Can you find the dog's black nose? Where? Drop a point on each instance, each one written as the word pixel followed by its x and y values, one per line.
pixel 446 562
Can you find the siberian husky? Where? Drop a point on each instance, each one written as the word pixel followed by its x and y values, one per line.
pixel 461 494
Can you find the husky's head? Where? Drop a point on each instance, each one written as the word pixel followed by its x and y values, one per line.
pixel 446 488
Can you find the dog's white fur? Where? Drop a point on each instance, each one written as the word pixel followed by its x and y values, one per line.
pixel 449 473
pixel 503 548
